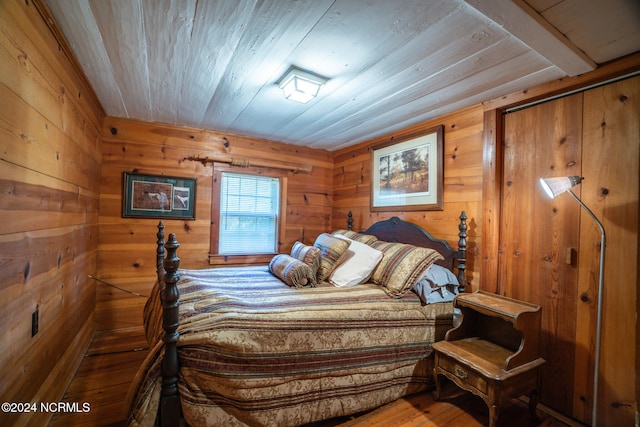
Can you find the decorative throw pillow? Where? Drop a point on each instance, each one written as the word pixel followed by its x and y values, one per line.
pixel 292 271
pixel 333 250
pixel 367 239
pixel 357 266
pixel 438 284
pixel 310 255
pixel 401 266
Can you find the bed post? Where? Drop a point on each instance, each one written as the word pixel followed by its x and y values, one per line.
pixel 160 252
pixel 462 250
pixel 169 410
pixel 349 221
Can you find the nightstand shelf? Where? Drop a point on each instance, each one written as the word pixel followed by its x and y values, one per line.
pixel 494 352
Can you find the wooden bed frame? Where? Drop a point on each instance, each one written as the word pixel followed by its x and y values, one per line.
pixel 390 230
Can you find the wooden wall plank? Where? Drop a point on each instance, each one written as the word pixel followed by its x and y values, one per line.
pixel 122 24
pixel 396 49
pixel 51 152
pixel 604 72
pixel 535 232
pixel 526 24
pixel 50 158
pixel 462 184
pixel 611 156
pixel 176 19
pixel 127 246
pixel 35 201
pixel 491 185
pixel 221 41
pixel 49 273
pixel 59 375
pixel 263 34
pixel 611 129
pixel 36 142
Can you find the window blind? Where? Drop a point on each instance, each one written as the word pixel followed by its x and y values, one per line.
pixel 249 207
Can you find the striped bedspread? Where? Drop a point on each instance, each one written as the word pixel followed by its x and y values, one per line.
pixel 254 351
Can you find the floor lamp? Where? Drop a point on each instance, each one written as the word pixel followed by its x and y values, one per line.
pixel 553 187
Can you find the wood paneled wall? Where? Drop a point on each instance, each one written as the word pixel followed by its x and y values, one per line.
pixel 61 165
pixel 610 164
pixel 473 179
pixel 127 246
pixel 50 157
pixel 462 184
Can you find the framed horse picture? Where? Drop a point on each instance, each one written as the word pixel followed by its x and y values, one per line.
pixel 158 196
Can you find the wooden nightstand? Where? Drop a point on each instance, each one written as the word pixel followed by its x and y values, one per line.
pixel 495 352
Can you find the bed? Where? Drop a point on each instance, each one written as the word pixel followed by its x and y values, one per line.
pixel 243 346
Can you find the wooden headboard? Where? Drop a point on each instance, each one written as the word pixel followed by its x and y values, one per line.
pixel 397 230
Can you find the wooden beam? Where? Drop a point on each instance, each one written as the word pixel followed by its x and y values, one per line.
pixel 525 23
pixel 616 69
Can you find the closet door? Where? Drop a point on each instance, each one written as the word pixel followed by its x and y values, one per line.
pixel 539 237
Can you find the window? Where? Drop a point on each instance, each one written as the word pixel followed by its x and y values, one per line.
pixel 248 214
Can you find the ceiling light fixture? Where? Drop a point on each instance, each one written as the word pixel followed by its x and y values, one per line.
pixel 301 86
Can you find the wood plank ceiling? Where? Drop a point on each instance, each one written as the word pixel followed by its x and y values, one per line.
pixel 216 64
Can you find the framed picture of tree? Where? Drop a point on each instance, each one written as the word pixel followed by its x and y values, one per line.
pixel 407 175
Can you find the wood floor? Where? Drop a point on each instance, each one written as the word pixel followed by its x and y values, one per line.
pixel 106 372
pixel 103 379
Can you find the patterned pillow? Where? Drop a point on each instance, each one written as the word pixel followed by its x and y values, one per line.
pixel 333 251
pixel 401 266
pixel 367 239
pixel 292 271
pixel 310 255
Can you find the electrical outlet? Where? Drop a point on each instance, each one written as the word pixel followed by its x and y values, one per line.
pixel 34 322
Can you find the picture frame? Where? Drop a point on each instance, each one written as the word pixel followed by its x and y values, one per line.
pixel 407 175
pixel 158 196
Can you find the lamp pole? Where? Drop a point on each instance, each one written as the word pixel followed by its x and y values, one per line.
pixel 599 309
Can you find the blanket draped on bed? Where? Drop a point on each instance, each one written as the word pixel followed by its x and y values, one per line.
pixel 254 351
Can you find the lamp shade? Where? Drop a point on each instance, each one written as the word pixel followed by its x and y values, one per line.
pixel 301 86
pixel 556 186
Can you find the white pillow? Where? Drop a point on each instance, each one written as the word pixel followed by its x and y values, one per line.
pixel 357 266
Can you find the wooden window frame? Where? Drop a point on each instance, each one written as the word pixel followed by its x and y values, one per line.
pixel 249 259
